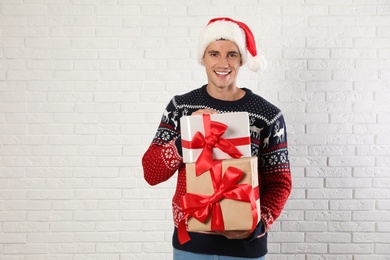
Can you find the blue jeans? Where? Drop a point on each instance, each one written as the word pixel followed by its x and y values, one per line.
pixel 183 255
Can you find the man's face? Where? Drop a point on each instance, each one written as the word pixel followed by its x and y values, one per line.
pixel 222 61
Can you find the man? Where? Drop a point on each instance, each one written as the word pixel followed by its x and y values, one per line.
pixel 224 46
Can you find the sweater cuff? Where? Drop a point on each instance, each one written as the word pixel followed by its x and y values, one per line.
pixel 258 232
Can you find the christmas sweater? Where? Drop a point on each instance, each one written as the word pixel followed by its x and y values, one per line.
pixel 268 142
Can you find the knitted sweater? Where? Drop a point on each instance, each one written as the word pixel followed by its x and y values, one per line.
pixel 268 142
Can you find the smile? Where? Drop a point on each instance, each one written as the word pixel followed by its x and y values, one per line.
pixel 222 73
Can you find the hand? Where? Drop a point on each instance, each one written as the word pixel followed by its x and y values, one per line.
pixel 204 111
pixel 234 234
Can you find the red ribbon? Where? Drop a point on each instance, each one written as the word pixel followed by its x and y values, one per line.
pixel 200 206
pixel 212 138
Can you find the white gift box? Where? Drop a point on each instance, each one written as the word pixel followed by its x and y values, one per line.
pixel 237 133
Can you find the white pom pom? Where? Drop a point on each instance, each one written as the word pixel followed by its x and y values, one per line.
pixel 258 63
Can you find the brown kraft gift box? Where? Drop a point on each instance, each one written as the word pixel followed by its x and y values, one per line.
pixel 237 215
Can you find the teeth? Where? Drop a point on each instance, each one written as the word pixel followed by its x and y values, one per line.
pixel 222 73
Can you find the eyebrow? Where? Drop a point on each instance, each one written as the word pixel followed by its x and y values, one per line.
pixel 229 52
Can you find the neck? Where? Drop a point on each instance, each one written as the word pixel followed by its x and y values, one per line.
pixel 226 94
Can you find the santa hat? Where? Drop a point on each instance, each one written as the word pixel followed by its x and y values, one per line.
pixel 238 32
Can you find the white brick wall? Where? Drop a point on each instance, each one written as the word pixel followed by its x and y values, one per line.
pixel 82 88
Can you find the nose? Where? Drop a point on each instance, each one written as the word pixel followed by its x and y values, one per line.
pixel 223 62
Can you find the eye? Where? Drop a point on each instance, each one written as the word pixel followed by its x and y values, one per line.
pixel 233 55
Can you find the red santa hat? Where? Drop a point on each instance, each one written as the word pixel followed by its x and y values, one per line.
pixel 238 32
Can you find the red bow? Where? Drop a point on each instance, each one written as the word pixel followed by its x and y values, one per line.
pixel 200 206
pixel 212 138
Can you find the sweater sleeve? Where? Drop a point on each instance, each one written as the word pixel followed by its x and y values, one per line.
pixel 274 170
pixel 163 157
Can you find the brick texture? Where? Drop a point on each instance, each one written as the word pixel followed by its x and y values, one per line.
pixel 83 85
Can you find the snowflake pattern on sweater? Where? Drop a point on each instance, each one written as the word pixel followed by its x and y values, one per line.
pixel 268 143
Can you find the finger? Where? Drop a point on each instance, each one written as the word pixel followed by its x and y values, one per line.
pixel 235 234
pixel 204 111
